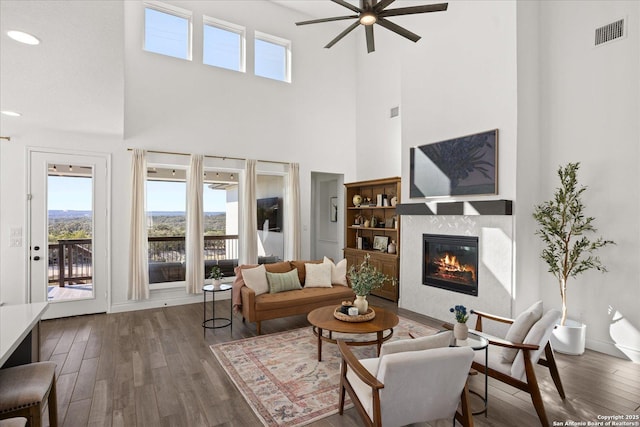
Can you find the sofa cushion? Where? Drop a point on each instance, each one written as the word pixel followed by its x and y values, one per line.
pixel 318 276
pixel 338 272
pixel 302 272
pixel 278 267
pixel 256 279
pixel 520 328
pixel 280 282
pixel 284 300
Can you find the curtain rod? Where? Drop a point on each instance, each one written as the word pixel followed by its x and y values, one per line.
pixel 210 156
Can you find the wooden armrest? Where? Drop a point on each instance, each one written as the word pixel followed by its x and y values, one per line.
pixel 355 365
pixel 504 343
pixel 493 317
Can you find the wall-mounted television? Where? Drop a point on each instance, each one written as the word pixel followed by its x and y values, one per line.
pixel 461 166
pixel 270 214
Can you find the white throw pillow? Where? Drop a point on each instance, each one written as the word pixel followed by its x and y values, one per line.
pixel 317 275
pixel 256 279
pixel 520 328
pixel 338 271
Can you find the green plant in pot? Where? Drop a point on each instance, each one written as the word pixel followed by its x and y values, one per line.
pixel 215 274
pixel 568 249
pixel 363 279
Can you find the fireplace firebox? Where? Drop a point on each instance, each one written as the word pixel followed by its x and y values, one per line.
pixel 450 262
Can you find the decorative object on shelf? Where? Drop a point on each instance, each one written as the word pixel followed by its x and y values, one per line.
pixel 366 223
pixel 389 222
pixel 380 243
pixel 460 329
pixel 357 200
pixel 333 209
pixel 374 222
pixel 363 280
pixel 216 275
pixel 394 201
pixel 568 251
pixel 392 247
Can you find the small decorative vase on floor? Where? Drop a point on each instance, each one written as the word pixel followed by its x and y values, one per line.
pixel 361 304
pixel 460 331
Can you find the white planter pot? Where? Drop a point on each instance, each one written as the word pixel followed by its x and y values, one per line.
pixel 570 338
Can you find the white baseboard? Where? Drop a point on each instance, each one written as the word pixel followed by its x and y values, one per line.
pixel 613 349
pixel 163 301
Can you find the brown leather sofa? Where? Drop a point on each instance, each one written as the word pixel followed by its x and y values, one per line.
pixel 256 308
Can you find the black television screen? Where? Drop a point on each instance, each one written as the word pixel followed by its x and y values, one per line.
pixel 462 166
pixel 270 214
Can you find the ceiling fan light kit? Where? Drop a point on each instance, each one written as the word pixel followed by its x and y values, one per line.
pixel 373 12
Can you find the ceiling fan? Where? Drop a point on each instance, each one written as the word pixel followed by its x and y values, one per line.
pixel 373 12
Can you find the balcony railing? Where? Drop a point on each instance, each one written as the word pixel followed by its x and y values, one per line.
pixel 70 261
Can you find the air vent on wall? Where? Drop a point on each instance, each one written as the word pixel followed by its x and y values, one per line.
pixel 610 32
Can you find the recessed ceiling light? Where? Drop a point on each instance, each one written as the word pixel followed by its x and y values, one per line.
pixel 10 113
pixel 23 37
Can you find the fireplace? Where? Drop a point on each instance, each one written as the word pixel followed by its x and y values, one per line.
pixel 450 262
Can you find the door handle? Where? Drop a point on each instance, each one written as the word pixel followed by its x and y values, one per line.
pixel 36 248
pixel 36 258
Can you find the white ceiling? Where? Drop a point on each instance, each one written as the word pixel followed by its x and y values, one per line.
pixel 74 79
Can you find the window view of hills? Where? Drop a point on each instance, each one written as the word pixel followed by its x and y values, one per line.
pixel 65 225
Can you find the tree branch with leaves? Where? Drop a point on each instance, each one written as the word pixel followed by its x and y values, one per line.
pixel 563 228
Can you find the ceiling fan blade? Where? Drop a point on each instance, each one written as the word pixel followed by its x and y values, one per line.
pixel 440 7
pixel 369 33
pixel 342 34
pixel 398 29
pixel 336 18
pixel 348 5
pixel 384 3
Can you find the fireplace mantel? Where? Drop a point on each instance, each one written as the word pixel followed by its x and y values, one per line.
pixel 477 207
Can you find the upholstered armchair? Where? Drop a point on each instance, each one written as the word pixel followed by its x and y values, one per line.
pixel 412 381
pixel 512 359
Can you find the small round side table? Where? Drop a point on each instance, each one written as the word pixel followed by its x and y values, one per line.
pixel 477 342
pixel 211 322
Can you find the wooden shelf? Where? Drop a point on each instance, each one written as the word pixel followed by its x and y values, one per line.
pixel 356 227
pixel 388 264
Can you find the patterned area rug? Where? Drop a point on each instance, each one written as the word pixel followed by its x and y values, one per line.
pixel 280 377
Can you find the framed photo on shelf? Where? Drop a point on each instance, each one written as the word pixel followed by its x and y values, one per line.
pixel 380 243
pixel 389 223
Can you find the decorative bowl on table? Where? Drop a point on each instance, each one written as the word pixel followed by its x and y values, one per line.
pixel 338 314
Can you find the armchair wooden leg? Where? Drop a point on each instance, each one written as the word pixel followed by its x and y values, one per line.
pixel 534 389
pixel 258 329
pixel 52 402
pixel 343 375
pixel 465 417
pixel 553 368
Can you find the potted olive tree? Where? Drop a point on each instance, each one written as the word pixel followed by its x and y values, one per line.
pixel 568 250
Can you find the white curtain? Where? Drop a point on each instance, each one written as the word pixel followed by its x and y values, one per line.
pixel 249 236
pixel 194 241
pixel 138 242
pixel 292 213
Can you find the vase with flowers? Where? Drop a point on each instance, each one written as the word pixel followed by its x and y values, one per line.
pixel 363 279
pixel 460 329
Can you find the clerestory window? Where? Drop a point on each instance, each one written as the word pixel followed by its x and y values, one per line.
pixel 167 30
pixel 223 44
pixel 272 57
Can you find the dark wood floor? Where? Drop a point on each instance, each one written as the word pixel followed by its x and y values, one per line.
pixel 154 368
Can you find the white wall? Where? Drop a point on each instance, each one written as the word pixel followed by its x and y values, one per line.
pixel 590 113
pixel 184 106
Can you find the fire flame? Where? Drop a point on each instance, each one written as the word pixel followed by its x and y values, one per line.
pixel 450 264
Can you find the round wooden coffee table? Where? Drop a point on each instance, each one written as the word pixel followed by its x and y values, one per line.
pixel 322 319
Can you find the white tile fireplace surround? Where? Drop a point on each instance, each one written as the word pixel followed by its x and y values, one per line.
pixel 495 264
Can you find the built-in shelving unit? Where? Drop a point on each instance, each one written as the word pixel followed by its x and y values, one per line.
pixel 378 201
